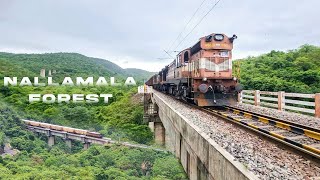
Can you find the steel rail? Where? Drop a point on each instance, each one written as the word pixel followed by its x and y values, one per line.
pixel 276 119
pixel 315 152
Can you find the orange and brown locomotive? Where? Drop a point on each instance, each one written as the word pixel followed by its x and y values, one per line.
pixel 202 73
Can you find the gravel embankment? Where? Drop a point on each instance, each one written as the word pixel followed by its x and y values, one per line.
pixel 289 116
pixel 265 159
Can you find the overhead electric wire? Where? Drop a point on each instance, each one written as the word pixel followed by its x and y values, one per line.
pixel 194 14
pixel 168 54
pixel 197 23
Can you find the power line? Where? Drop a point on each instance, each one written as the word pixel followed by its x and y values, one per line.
pixel 198 23
pixel 186 25
pixel 168 54
pixel 164 58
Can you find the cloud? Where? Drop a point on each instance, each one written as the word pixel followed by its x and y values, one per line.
pixel 135 33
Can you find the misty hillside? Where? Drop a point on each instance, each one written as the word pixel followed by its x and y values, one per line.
pixel 139 73
pixel 65 64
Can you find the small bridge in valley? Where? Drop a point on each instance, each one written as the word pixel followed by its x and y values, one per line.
pixel 86 140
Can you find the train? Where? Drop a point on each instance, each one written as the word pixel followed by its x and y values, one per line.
pixel 201 74
pixel 63 128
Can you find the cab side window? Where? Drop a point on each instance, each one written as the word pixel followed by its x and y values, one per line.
pixel 186 57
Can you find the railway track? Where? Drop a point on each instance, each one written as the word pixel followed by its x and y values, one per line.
pixel 303 138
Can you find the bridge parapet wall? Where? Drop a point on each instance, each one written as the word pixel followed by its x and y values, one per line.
pixel 200 156
pixel 297 102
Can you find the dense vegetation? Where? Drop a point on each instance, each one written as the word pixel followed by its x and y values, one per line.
pixel 293 71
pixel 120 119
pixel 37 161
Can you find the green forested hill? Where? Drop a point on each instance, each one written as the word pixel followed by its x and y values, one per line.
pixel 120 119
pixel 66 64
pixel 293 71
pixel 145 75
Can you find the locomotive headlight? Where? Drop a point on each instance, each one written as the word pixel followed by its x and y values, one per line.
pixel 204 79
pixel 203 88
pixel 218 37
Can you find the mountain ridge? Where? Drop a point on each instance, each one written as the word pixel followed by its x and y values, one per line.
pixel 67 64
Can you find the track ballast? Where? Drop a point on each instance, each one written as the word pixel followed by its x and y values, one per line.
pixel 303 138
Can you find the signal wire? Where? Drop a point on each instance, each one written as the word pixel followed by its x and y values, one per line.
pixel 186 25
pixel 197 24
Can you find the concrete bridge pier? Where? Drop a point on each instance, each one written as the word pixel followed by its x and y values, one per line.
pixel 43 72
pixel 155 124
pixel 68 142
pixel 50 140
pixel 159 133
pixel 86 145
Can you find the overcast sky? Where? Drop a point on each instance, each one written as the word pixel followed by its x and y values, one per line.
pixel 134 33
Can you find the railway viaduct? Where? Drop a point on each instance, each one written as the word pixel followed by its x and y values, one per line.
pixel 86 140
pixel 199 155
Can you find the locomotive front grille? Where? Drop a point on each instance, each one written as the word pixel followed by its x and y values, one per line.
pixel 216 64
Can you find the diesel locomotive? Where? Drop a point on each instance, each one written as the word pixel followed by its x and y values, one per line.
pixel 201 74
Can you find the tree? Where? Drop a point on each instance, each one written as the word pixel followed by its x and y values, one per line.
pixel 168 168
